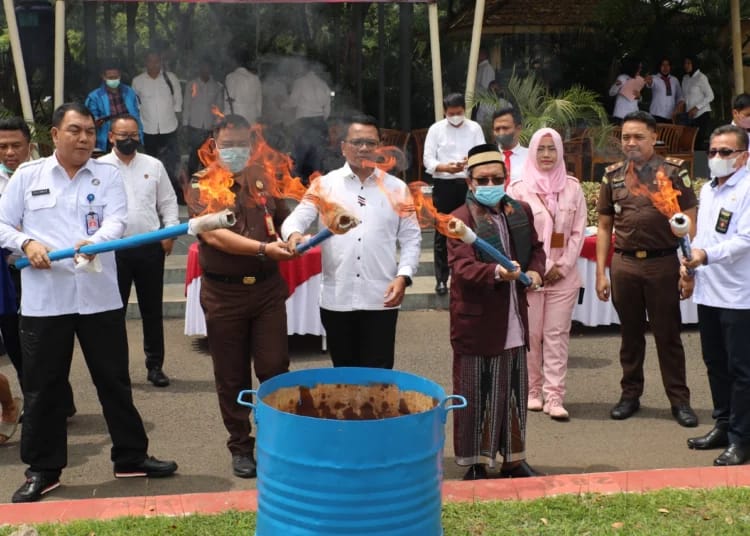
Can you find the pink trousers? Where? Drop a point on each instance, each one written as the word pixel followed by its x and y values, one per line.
pixel 550 317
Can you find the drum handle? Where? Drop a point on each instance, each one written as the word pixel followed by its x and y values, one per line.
pixel 241 398
pixel 461 403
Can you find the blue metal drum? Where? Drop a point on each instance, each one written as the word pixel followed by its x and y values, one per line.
pixel 328 477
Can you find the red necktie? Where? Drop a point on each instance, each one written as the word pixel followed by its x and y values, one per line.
pixel 507 167
pixel 667 84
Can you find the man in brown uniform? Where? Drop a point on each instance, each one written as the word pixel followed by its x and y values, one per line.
pixel 645 267
pixel 242 293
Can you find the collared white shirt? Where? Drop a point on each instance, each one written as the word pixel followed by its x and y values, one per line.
pixel 55 210
pixel 310 97
pixel 723 281
pixel 199 99
pixel 159 106
pixel 151 198
pixel 359 265
pixel 663 105
pixel 623 105
pixel 698 92
pixel 4 179
pixel 517 161
pixel 445 143
pixel 243 88
pixel 485 75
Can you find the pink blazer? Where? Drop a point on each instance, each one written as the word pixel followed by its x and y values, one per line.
pixel 569 220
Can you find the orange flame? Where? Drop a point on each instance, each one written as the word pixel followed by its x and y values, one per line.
pixel 427 214
pixel 665 196
pixel 194 90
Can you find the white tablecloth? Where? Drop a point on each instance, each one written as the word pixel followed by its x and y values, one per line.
pixel 593 312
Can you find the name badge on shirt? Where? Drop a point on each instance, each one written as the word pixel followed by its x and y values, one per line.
pixel 93 223
pixel 722 222
pixel 557 240
pixel 270 229
pixel 35 193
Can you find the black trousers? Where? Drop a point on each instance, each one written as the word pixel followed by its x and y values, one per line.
pixel 725 343
pixel 447 196
pixel 47 344
pixel 196 138
pixel 165 148
pixel 144 266
pixel 361 338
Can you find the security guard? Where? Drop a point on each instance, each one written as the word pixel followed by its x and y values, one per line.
pixel 242 293
pixel 645 267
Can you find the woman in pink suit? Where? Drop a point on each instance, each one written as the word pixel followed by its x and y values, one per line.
pixel 559 208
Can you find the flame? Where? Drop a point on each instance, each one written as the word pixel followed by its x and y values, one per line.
pixel 665 196
pixel 427 214
pixel 194 90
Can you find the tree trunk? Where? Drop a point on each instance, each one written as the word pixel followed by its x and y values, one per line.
pixel 406 23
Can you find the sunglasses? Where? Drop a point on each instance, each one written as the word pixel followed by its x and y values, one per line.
pixel 485 181
pixel 723 152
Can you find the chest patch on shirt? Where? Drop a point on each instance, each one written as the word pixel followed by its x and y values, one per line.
pixel 361 200
pixel 722 222
pixel 44 191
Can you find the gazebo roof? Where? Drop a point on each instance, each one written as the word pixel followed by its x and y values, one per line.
pixel 524 16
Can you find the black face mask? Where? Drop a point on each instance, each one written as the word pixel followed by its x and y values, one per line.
pixel 127 146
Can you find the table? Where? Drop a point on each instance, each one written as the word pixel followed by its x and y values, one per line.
pixel 593 312
pixel 302 274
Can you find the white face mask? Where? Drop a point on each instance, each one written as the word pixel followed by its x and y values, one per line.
pixel 721 167
pixel 456 120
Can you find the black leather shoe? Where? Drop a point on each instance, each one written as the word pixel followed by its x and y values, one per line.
pixel 243 466
pixel 734 455
pixel 150 467
pixel 36 485
pixel 476 472
pixel 625 408
pixel 717 438
pixel 157 377
pixel 519 470
pixel 685 416
pixel 441 289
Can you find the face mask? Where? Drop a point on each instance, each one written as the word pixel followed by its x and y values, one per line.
pixel 504 140
pixel 490 196
pixel 234 158
pixel 127 146
pixel 456 120
pixel 113 84
pixel 5 169
pixel 722 167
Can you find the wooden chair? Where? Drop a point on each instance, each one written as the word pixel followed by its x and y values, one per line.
pixel 399 139
pixel 573 155
pixel 669 136
pixel 685 146
pixel 604 152
pixel 419 135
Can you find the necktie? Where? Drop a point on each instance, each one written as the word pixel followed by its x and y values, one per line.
pixel 668 84
pixel 507 167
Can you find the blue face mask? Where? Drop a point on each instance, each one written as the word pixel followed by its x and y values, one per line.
pixel 234 158
pixel 6 170
pixel 489 196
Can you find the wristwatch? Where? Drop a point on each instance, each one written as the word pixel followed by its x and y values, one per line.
pixel 261 250
pixel 407 279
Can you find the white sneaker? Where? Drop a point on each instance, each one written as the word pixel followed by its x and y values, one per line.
pixel 535 401
pixel 555 409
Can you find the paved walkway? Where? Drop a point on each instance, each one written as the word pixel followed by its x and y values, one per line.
pixel 184 424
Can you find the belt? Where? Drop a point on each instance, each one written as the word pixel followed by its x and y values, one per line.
pixel 238 279
pixel 646 253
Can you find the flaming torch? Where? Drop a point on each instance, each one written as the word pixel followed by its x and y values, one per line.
pixel 680 224
pixel 200 224
pixel 339 222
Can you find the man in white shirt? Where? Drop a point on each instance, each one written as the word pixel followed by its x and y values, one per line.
pixel 363 285
pixel 203 94
pixel 445 148
pixel 721 260
pixel 666 93
pixel 507 125
pixel 68 200
pixel 243 95
pixel 160 98
pixel 485 72
pixel 151 203
pixel 311 99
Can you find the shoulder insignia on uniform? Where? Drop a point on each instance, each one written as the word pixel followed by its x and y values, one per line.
pixel 678 162
pixel 605 180
pixel 614 167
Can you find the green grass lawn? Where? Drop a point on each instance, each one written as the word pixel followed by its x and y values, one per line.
pixel 677 512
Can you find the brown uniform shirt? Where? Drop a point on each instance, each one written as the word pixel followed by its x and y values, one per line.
pixel 638 224
pixel 250 189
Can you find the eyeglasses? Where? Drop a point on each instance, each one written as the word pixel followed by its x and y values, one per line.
pixel 126 135
pixel 485 181
pixel 367 144
pixel 232 144
pixel 724 152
